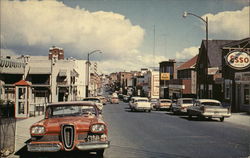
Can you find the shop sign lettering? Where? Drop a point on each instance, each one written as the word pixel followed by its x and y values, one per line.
pixel 238 60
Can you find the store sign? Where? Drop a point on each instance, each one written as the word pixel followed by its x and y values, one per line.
pixel 238 60
pixel 165 76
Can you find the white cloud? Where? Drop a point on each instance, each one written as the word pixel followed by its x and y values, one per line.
pixel 7 52
pixel 235 24
pixel 37 24
pixel 136 62
pixel 187 53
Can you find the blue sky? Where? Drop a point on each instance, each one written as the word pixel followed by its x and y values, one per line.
pixel 175 37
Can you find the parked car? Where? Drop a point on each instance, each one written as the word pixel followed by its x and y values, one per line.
pixel 208 108
pixel 125 98
pixel 103 100
pixel 114 100
pixel 69 126
pixel 181 105
pixel 153 102
pixel 140 104
pixel 96 100
pixel 163 104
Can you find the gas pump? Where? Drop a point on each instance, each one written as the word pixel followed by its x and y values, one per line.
pixel 22 89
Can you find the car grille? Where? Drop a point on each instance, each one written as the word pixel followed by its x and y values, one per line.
pixel 68 136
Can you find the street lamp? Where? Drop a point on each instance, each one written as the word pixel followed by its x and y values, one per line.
pixel 88 63
pixel 185 14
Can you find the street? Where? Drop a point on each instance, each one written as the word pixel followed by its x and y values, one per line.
pixel 160 134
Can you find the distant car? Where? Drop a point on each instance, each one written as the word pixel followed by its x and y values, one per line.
pixel 140 104
pixel 70 126
pixel 96 100
pixel 103 100
pixel 209 108
pixel 125 98
pixel 163 104
pixel 181 105
pixel 153 102
pixel 114 100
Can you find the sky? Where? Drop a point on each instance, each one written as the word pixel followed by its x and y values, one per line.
pixel 132 34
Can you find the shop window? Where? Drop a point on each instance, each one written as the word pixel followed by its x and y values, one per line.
pixel 210 91
pixel 247 94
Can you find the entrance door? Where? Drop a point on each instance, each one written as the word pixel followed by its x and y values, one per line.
pixel 21 107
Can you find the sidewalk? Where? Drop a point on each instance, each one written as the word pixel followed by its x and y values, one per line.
pixel 239 119
pixel 23 133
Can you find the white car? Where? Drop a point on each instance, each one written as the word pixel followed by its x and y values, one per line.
pixel 181 105
pixel 140 104
pixel 208 108
pixel 98 102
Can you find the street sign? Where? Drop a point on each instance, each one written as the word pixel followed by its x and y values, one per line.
pixel 165 76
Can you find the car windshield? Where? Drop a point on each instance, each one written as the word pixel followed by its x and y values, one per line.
pixel 141 100
pixel 92 99
pixel 165 101
pixel 73 110
pixel 188 101
pixel 210 103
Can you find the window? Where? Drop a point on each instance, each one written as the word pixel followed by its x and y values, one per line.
pixel 246 94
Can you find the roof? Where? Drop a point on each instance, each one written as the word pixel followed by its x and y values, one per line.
pixel 208 100
pixel 40 70
pixel 87 103
pixel 214 51
pixel 189 64
pixel 22 83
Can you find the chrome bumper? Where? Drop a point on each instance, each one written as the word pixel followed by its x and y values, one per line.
pixel 96 145
pixel 43 147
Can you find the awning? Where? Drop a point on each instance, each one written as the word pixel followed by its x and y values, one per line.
pixel 74 73
pixel 40 70
pixel 62 73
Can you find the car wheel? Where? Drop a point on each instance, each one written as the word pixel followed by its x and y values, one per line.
pixel 221 119
pixel 100 153
pixel 189 116
pixel 200 117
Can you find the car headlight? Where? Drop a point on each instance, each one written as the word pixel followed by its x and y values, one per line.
pixel 37 130
pixel 96 128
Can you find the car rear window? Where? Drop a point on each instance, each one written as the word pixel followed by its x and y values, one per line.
pixel 188 101
pixel 141 100
pixel 165 101
pixel 210 104
pixel 92 99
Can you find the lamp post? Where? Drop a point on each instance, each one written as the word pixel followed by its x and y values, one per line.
pixel 185 14
pixel 88 74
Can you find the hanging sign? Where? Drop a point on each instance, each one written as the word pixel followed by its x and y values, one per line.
pixel 238 60
pixel 165 76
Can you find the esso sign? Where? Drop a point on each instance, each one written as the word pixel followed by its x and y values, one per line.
pixel 238 60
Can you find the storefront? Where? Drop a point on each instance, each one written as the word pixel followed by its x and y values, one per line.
pixel 236 74
pixel 242 81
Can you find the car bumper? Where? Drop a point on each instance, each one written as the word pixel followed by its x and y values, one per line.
pixel 44 147
pixel 54 147
pixel 216 115
pixel 142 108
pixel 93 145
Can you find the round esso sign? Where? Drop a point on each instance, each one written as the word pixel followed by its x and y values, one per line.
pixel 238 60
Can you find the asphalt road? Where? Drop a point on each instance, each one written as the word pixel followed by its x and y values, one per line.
pixel 160 134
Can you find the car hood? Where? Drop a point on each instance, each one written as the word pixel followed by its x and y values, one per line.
pixel 53 125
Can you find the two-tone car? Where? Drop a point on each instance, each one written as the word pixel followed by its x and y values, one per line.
pixel 208 108
pixel 181 105
pixel 140 104
pixel 163 104
pixel 69 126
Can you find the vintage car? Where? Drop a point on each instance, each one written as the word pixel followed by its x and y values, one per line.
pixel 163 104
pixel 103 100
pixel 114 100
pixel 97 100
pixel 208 108
pixel 69 126
pixel 140 104
pixel 153 102
pixel 181 105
